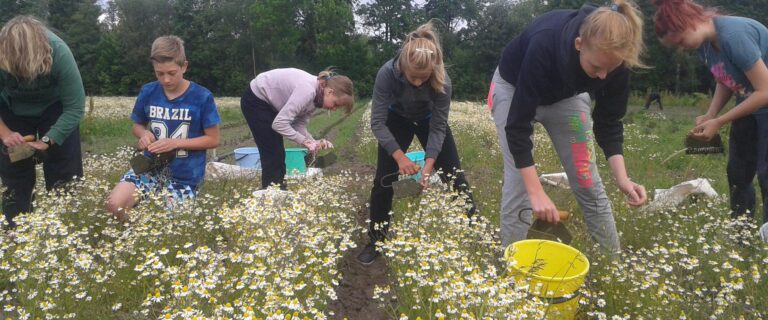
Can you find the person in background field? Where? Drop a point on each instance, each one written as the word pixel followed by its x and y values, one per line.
pixel 171 114
pixel 735 50
pixel 545 75
pixel 279 103
pixel 41 94
pixel 412 97
pixel 652 97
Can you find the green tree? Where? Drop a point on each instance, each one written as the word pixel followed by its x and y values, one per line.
pixel 474 60
pixel 388 20
pixel 275 28
pixel 12 8
pixel 136 23
pixel 211 32
pixel 454 14
pixel 77 22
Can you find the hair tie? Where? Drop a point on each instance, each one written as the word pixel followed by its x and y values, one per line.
pixel 615 7
pixel 428 51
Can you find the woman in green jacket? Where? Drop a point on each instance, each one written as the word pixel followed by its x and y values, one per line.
pixel 41 95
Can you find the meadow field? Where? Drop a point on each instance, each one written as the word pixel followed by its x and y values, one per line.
pixel 229 255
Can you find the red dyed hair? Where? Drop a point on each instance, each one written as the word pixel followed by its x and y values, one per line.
pixel 679 15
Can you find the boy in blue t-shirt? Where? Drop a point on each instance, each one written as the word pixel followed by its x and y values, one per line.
pixel 171 114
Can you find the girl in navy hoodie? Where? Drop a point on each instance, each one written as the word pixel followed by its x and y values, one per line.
pixel 546 74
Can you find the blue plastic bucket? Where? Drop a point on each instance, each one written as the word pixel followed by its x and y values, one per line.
pixel 248 157
pixel 418 158
pixel 294 160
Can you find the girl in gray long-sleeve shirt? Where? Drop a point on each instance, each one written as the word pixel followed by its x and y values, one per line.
pixel 279 103
pixel 412 96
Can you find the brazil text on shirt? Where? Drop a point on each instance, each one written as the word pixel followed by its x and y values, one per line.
pixel 156 112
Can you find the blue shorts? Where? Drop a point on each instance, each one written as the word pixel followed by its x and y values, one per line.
pixel 148 183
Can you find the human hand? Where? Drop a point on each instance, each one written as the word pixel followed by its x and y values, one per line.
pixel 38 145
pixel 544 208
pixel 146 139
pixel 163 145
pixel 706 130
pixel 703 118
pixel 311 145
pixel 426 172
pixel 635 193
pixel 324 144
pixel 13 139
pixel 407 167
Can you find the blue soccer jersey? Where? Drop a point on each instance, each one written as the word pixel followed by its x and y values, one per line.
pixel 182 118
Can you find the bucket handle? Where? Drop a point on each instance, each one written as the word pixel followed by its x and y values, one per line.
pixel 258 162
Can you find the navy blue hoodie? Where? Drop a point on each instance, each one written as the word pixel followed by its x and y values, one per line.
pixel 543 65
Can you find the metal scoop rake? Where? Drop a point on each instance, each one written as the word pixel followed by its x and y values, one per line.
pixel 695 146
pixel 323 161
pixel 403 188
pixel 545 230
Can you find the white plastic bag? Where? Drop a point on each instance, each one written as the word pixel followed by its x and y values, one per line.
pixel 219 170
pixel 667 198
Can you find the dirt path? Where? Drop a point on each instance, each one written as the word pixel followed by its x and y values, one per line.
pixel 355 290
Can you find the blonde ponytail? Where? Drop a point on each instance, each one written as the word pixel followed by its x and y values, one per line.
pixel 617 29
pixel 422 54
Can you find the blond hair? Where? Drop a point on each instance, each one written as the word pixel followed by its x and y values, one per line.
pixel 342 87
pixel 421 53
pixel 168 49
pixel 25 50
pixel 617 29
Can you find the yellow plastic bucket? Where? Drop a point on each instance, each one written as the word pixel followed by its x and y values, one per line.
pixel 553 271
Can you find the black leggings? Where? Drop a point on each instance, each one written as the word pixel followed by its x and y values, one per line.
pixel 447 161
pixel 260 115
pixel 63 163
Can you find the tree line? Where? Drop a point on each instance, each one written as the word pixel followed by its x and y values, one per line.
pixel 228 42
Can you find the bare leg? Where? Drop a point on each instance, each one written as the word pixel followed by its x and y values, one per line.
pixel 121 199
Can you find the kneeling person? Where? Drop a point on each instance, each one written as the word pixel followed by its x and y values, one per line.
pixel 173 115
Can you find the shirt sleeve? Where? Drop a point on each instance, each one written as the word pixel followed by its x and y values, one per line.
pixel 138 115
pixel 301 123
pixel 438 124
pixel 383 97
pixel 290 117
pixel 741 48
pixel 610 108
pixel 72 93
pixel 210 112
pixel 522 110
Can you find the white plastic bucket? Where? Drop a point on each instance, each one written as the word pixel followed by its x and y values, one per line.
pixel 248 157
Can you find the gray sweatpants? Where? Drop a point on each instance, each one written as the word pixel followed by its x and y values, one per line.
pixel 569 125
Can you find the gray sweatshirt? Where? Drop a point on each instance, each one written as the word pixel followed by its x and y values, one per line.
pixel 392 91
pixel 292 93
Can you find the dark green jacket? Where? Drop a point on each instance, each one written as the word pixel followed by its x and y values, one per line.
pixel 31 98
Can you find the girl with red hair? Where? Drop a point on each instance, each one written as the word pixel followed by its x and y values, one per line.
pixel 734 49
